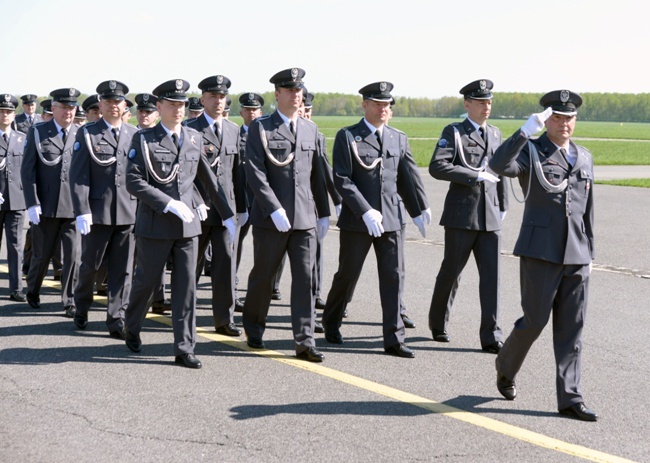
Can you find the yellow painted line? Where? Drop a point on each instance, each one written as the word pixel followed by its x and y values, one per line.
pixel 475 419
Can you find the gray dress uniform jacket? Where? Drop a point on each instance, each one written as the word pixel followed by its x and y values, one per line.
pixel 22 124
pixel 11 185
pixel 154 196
pixel 470 204
pixel 97 189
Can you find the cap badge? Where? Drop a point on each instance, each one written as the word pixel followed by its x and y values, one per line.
pixel 7 97
pixel 145 97
pixel 219 80
pixel 482 85
pixel 112 85
pixel 383 86
pixel 564 96
pixel 179 84
pixel 71 92
pixel 251 96
pixel 294 73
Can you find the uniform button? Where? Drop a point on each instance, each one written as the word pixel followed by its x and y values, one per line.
pixel 119 152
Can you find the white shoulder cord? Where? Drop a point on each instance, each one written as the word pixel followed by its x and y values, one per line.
pixel 539 173
pixel 108 162
pixel 272 158
pixel 37 140
pixel 463 161
pixel 355 151
pixel 147 161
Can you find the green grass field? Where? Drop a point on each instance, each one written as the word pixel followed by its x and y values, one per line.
pixel 611 143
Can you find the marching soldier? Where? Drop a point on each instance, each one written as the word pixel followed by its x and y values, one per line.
pixel 45 175
pixel 91 108
pixel 221 149
pixel 46 106
pixel 194 108
pixel 284 171
pixel 555 245
pixel 371 173
pixel 475 205
pixel 29 116
pixel 104 209
pixel 12 201
pixel 164 161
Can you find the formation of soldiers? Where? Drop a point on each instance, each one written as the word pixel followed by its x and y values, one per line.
pixel 123 203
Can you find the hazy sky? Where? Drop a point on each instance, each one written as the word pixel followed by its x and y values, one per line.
pixel 427 49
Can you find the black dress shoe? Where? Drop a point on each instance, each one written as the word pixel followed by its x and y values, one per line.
pixel 318 327
pixel 440 336
pixel 69 311
pixel 228 330
pixel 320 304
pixel 17 296
pixel 275 295
pixel 239 306
pixel 579 412
pixel 255 343
pixel 493 348
pixel 408 323
pixel 101 292
pixel 81 320
pixel 33 300
pixel 56 276
pixel 311 355
pixel 188 360
pixel 160 307
pixel 133 341
pixel 400 350
pixel 334 337
pixel 117 334
pixel 506 387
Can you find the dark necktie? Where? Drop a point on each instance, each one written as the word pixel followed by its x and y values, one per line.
pixel 116 134
pixel 217 132
pixel 483 133
pixel 64 135
pixel 29 120
pixel 4 137
pixel 566 158
pixel 175 140
pixel 378 136
pixel 292 128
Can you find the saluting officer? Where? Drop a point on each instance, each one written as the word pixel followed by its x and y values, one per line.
pixel 475 205
pixel 12 201
pixel 555 245
pixel 284 171
pixel 45 174
pixel 104 209
pixel 371 173
pixel 29 115
pixel 164 161
pixel 221 149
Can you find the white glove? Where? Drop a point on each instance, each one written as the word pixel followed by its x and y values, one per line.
pixel 337 209
pixel 231 226
pixel 484 176
pixel 202 212
pixel 2 199
pixel 503 215
pixel 322 225
pixel 280 220
pixel 535 122
pixel 419 222
pixel 591 267
pixel 34 214
pixel 426 216
pixel 373 219
pixel 180 209
pixel 242 218
pixel 84 222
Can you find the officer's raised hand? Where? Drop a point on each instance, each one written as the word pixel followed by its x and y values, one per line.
pixel 535 122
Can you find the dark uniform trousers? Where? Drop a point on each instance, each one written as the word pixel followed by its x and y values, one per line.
pixel 555 247
pixel 472 222
pixel 100 190
pixel 224 153
pixel 299 188
pixel 49 186
pixel 12 210
pixel 161 235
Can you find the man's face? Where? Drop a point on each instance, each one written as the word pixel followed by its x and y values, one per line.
pixel 146 119
pixel 46 117
pixel 376 112
pixel 194 114
pixel 112 110
pixel 63 114
pixel 79 122
pixel 250 114
pixel 478 110
pixel 213 104
pixel 307 113
pixel 289 99
pixel 7 116
pixel 172 113
pixel 559 128
pixel 93 115
pixel 29 108
pixel 126 116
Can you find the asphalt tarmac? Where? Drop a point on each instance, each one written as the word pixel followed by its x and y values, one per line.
pixel 68 395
